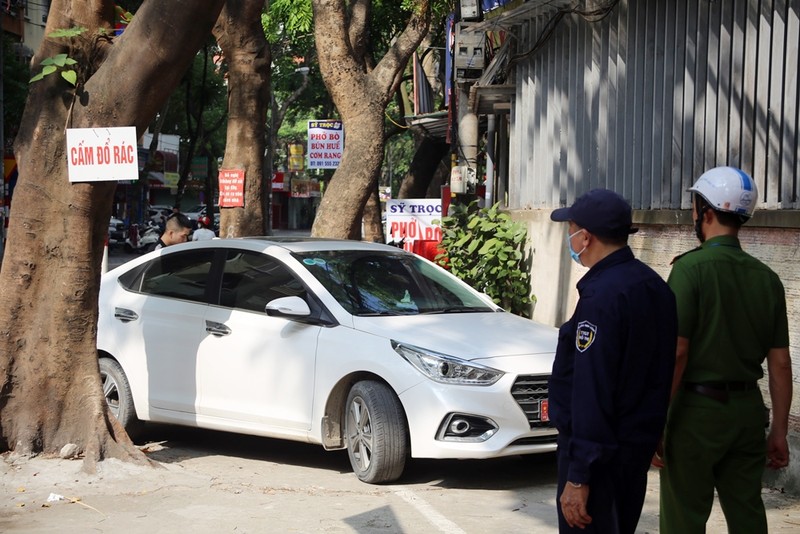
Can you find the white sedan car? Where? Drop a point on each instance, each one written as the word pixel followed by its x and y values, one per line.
pixel 341 343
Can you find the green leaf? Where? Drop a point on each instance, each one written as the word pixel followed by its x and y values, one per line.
pixel 36 78
pixel 71 76
pixel 70 61
pixel 49 69
pixel 47 61
pixel 460 243
pixel 60 59
pixel 67 32
pixel 488 246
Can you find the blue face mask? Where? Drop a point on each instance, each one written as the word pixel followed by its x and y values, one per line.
pixel 576 256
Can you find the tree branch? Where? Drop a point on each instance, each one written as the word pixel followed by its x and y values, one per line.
pixel 384 77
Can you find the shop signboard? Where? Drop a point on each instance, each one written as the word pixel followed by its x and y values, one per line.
pixel 325 144
pixel 410 220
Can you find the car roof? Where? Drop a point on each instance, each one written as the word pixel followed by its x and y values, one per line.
pixel 310 244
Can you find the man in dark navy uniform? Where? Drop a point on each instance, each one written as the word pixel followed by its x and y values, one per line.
pixel 612 373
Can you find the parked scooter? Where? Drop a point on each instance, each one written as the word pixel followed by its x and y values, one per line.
pixel 142 238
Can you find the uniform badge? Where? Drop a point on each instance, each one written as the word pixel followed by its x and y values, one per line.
pixel 585 335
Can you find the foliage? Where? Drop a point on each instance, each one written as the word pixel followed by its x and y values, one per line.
pixel 62 62
pixel 288 17
pixel 201 92
pixel 487 250
pixel 397 160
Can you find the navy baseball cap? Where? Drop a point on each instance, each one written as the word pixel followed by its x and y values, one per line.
pixel 601 211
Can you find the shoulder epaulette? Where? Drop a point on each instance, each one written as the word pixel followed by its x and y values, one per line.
pixel 679 256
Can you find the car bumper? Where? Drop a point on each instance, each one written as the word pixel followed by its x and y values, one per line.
pixel 429 406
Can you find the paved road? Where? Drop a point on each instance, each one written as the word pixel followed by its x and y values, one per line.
pixel 217 482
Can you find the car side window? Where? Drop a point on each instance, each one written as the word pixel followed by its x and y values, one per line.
pixel 182 275
pixel 251 280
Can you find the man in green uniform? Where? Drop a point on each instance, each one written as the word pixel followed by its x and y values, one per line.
pixel 731 316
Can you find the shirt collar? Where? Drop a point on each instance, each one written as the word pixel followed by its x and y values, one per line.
pixel 722 241
pixel 615 258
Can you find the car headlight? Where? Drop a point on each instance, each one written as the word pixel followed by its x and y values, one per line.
pixel 447 369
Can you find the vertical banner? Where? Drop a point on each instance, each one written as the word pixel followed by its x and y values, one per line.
pixel 231 188
pixel 296 157
pixel 325 144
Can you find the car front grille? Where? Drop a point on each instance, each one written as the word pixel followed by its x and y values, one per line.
pixel 529 391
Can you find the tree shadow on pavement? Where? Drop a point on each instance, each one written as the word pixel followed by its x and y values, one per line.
pixel 172 444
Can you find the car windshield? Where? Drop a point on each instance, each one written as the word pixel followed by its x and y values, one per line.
pixel 367 283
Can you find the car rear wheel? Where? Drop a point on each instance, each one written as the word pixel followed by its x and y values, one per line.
pixel 376 432
pixel 117 392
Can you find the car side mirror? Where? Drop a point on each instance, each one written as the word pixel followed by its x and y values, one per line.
pixel 288 306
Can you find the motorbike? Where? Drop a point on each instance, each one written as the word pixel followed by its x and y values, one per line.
pixel 142 238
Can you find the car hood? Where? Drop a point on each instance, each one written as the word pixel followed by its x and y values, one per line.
pixel 471 336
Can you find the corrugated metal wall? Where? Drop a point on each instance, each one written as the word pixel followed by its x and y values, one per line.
pixel 646 99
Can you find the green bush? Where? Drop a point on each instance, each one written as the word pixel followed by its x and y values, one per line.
pixel 487 250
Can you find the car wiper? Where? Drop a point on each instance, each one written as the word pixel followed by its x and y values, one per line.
pixel 371 313
pixel 457 309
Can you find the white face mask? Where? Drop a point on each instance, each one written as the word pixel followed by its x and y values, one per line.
pixel 576 256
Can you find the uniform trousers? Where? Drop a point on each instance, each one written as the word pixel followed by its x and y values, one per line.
pixel 616 490
pixel 710 444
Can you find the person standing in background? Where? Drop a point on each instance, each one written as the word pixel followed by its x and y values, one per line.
pixel 731 316
pixel 203 231
pixel 177 230
pixel 612 372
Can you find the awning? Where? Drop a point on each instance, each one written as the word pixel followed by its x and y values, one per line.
pixel 512 16
pixel 431 125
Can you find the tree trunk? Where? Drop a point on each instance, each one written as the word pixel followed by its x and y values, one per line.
pixel 427 158
pixel 373 230
pixel 50 392
pixel 241 37
pixel 361 94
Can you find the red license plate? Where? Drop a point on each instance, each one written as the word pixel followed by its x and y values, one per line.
pixel 544 410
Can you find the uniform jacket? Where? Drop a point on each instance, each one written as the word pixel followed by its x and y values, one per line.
pixel 612 374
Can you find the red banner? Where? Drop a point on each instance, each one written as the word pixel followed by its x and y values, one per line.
pixel 231 188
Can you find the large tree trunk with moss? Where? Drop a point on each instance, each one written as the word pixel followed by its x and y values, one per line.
pixel 361 95
pixel 241 37
pixel 50 391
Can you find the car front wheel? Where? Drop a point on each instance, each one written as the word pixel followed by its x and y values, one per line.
pixel 376 432
pixel 117 392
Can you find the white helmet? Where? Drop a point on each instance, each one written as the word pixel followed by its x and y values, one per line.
pixel 728 189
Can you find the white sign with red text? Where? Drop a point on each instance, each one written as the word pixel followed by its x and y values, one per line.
pixel 409 220
pixel 102 154
pixel 325 144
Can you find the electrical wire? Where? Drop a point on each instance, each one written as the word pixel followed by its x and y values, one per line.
pixel 594 15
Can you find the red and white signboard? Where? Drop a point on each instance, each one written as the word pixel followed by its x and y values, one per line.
pixel 325 144
pixel 102 154
pixel 410 220
pixel 231 188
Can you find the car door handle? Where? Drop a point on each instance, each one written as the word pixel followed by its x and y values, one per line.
pixel 217 329
pixel 125 315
